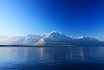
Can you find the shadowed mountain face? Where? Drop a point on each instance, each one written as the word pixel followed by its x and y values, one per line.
pixel 54 37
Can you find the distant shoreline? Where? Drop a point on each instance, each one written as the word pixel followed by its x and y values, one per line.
pixel 55 45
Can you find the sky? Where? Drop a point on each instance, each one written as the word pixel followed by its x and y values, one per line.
pixel 71 17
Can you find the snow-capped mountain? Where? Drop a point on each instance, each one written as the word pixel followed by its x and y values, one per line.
pixel 87 40
pixel 54 37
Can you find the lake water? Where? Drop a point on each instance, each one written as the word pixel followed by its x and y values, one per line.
pixel 51 58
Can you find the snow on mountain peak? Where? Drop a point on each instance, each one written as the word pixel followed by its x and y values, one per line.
pixel 55 33
pixel 81 37
pixel 87 38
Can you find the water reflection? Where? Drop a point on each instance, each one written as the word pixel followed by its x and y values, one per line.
pixel 72 54
pixel 42 56
pixel 82 53
pixel 67 54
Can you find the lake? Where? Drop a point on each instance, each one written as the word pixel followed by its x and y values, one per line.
pixel 51 58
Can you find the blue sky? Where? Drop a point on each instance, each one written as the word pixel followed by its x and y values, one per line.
pixel 71 17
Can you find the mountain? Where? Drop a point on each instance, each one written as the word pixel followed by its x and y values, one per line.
pixel 54 37
pixel 5 40
pixel 31 39
pixel 27 40
pixel 18 40
pixel 87 40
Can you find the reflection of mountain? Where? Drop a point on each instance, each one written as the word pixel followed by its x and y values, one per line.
pixel 54 37
pixel 46 58
pixel 61 54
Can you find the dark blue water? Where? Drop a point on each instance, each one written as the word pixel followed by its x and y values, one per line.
pixel 51 58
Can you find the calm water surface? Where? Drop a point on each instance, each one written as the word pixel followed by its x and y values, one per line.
pixel 51 58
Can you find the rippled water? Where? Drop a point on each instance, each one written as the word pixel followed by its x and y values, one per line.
pixel 51 58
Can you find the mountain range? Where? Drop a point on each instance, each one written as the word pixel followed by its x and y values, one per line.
pixel 54 37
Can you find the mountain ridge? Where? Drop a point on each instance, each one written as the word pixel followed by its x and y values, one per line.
pixel 54 37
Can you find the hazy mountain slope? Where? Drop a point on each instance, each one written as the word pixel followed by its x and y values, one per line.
pixel 19 41
pixel 31 39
